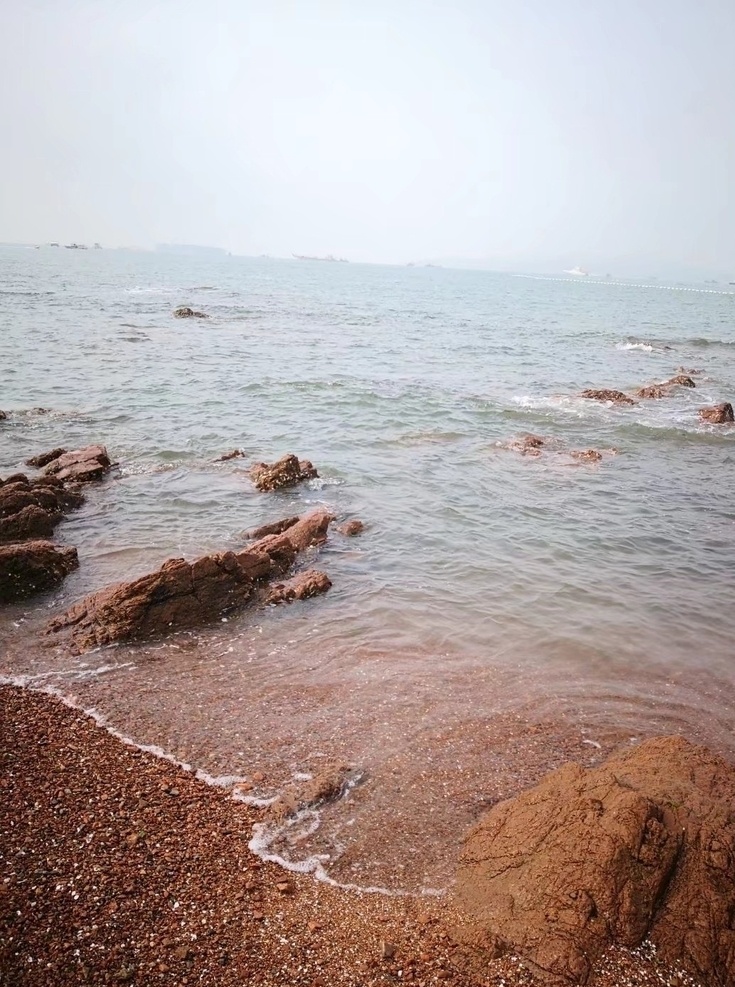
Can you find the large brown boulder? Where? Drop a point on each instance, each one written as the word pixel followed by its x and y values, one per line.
pixel 186 594
pixel 607 394
pixel 33 508
pixel 718 414
pixel 81 465
pixel 285 472
pixel 32 567
pixel 642 847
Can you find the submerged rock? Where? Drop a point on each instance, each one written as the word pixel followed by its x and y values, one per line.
pixel 652 391
pixel 718 414
pixel 328 785
pixel 31 567
pixel 3 416
pixel 285 472
pixel 642 847
pixel 607 394
pixel 184 312
pixel 235 454
pixel 586 455
pixel 82 465
pixel 351 528
pixel 302 586
pixel 186 594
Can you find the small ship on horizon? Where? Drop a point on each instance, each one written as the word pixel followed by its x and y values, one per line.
pixel 329 257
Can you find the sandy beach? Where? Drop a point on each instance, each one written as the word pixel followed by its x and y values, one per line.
pixel 120 867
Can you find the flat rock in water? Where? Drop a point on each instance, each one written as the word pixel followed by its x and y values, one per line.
pixel 607 394
pixel 81 465
pixel 285 472
pixel 641 848
pixel 299 587
pixel 233 454
pixel 31 567
pixel 185 594
pixel 718 414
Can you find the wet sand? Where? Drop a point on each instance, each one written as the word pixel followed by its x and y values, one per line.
pixel 120 867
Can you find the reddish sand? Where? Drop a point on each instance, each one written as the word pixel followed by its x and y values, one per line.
pixel 118 867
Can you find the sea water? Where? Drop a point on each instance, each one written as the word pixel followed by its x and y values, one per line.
pixel 495 603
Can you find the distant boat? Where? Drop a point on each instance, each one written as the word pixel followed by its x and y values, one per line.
pixel 75 246
pixel 340 260
pixel 98 246
pixel 578 272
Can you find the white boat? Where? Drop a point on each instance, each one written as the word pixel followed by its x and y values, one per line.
pixel 578 272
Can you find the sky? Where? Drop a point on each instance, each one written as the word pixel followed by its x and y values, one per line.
pixel 526 135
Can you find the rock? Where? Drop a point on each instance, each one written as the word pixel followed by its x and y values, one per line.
pixel 642 847
pixel 299 587
pixel 691 371
pixel 328 785
pixel 45 458
pixel 718 414
pixel 351 528
pixel 274 528
pixel 286 472
pixel 33 566
pixel 586 455
pixel 3 416
pixel 186 594
pixel 82 465
pixel 606 394
pixel 184 312
pixel 32 509
pixel 652 391
pixel 527 445
pixel 235 454
pixel 387 950
pixel 681 380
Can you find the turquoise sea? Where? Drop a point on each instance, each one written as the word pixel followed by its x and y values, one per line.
pixel 555 598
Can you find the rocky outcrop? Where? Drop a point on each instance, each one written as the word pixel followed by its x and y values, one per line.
pixel 80 465
pixel 285 472
pixel 38 462
pixel 186 594
pixel 184 312
pixel 33 508
pixel 607 394
pixel 299 587
pixel 3 416
pixel 665 388
pixel 718 414
pixel 33 567
pixel 273 528
pixel 351 528
pixel 642 847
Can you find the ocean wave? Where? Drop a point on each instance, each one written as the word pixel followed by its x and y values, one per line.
pixel 646 345
pixel 700 342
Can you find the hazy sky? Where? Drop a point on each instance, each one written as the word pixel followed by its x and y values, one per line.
pixel 525 133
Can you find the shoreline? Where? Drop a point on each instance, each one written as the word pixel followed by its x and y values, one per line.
pixel 122 867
